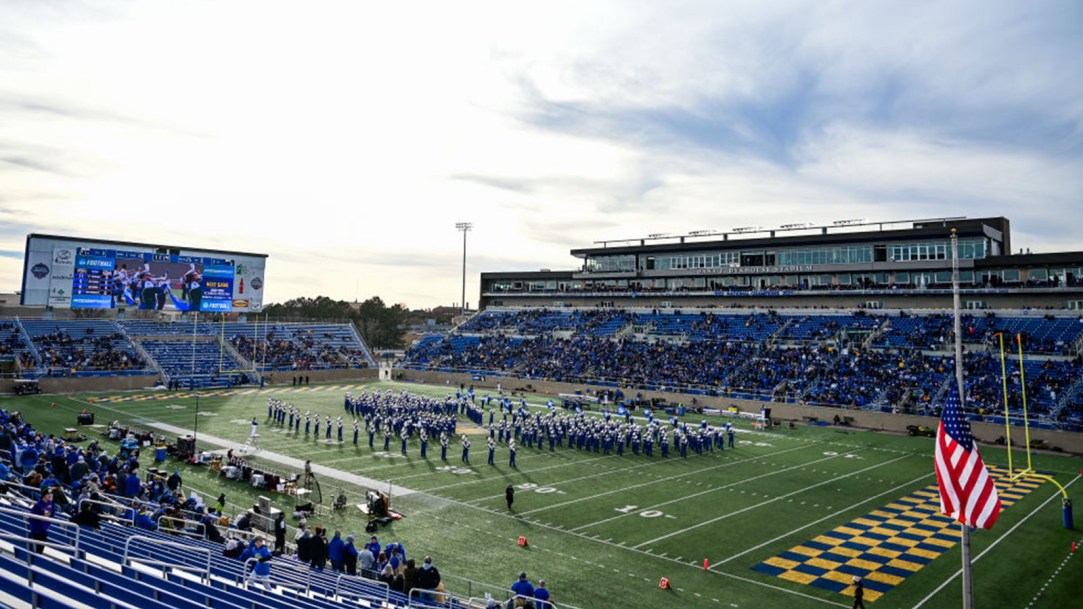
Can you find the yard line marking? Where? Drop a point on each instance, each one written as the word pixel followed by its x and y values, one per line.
pixel 620 470
pixel 670 479
pixel 763 503
pixel 731 485
pixel 540 469
pixel 815 522
pixel 678 561
pixel 994 544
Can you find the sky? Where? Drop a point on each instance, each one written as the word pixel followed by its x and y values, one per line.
pixel 345 139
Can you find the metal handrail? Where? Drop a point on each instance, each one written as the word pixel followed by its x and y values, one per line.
pixel 427 602
pixel 20 485
pixel 357 580
pixel 33 542
pixel 206 571
pixel 291 582
pixel 180 531
pixel 109 504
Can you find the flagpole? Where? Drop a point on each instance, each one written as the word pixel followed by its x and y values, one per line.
pixel 968 588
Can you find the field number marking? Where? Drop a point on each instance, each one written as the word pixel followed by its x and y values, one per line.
pixel 751 443
pixel 831 453
pixel 451 469
pixel 628 509
pixel 544 490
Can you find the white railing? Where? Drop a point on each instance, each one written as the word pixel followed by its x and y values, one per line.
pixel 373 589
pixel 33 543
pixel 128 559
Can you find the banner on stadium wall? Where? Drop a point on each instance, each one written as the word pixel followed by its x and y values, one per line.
pixel 63 274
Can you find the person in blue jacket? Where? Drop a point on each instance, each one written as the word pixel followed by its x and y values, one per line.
pixel 541 593
pixel 132 485
pixel 261 571
pixel 335 550
pixel 523 587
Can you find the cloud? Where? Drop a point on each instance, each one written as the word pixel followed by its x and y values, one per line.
pixel 346 140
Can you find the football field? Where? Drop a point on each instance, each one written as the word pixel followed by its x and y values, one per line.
pixel 784 518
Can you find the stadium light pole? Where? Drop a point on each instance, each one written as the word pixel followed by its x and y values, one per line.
pixel 465 228
pixel 192 386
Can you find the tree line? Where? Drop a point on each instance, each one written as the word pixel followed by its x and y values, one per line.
pixel 380 325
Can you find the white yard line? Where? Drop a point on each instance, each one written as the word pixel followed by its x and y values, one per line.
pixel 711 490
pixel 628 469
pixel 299 464
pixel 763 503
pixel 609 571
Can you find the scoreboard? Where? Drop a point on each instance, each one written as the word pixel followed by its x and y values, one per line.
pixel 104 279
pixel 86 274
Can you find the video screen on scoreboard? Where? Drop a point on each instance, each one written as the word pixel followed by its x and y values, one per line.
pixel 106 279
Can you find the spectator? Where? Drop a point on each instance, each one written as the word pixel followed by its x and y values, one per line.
pixel 144 521
pixel 523 589
pixel 542 596
pixel 88 517
pixel 374 545
pixel 210 531
pixel 409 577
pixel 174 482
pixel 349 556
pixel 386 575
pixel 39 529
pixel 261 571
pixel 335 548
pixel 397 581
pixel 368 562
pixel 304 546
pixel 280 533
pixel 318 549
pixel 428 579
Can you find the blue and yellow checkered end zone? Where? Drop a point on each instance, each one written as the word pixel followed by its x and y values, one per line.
pixel 885 546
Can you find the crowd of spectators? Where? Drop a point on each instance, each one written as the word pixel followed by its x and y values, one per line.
pixel 299 350
pixel 117 487
pixel 109 352
pixel 851 360
pixel 11 341
pixel 55 477
pixel 714 286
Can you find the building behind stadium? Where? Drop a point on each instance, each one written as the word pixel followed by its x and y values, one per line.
pixel 900 264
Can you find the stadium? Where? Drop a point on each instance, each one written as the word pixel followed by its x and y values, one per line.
pixel 739 418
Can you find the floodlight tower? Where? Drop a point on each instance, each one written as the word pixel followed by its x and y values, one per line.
pixel 465 228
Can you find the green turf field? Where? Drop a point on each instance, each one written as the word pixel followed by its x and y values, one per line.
pixel 782 519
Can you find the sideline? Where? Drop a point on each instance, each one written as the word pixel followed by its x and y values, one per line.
pixel 324 471
pixel 321 470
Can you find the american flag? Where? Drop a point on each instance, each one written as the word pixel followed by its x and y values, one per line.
pixel 967 493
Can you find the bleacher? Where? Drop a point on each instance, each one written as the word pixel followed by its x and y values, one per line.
pixel 195 363
pixel 83 348
pixel 15 344
pixel 176 328
pixel 299 346
pixel 853 359
pixel 131 568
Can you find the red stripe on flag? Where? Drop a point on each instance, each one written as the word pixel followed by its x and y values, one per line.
pixel 967 491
